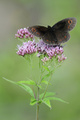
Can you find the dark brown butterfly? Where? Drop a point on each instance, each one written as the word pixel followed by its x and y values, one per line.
pixel 57 34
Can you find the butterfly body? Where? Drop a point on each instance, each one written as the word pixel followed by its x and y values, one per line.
pixel 55 35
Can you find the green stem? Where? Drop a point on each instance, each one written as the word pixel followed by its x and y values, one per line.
pixel 37 111
pixel 37 106
pixel 34 93
pixel 47 86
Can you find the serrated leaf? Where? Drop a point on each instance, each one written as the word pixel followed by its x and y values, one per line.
pixel 29 82
pixel 55 98
pixel 45 82
pixel 46 102
pixel 25 87
pixel 47 94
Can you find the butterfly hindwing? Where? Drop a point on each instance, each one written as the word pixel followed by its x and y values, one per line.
pixel 62 28
pixel 62 36
pixel 65 24
pixel 50 37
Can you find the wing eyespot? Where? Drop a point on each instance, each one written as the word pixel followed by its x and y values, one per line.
pixel 70 21
pixel 33 30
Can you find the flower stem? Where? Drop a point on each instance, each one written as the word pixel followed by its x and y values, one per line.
pixel 37 111
pixel 47 86
pixel 37 106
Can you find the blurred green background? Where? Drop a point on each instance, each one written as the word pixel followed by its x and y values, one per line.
pixel 14 101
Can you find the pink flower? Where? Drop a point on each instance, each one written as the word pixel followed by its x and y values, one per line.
pixel 41 47
pixel 23 33
pixel 27 48
pixel 45 59
pixel 61 58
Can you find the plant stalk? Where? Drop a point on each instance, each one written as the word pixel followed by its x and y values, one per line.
pixel 47 86
pixel 37 111
pixel 37 106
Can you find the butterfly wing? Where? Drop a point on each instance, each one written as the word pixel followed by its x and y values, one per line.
pixel 43 32
pixel 38 31
pixel 50 37
pixel 57 34
pixel 62 29
pixel 62 36
pixel 65 24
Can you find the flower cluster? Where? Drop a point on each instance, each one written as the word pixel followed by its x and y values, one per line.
pixel 27 48
pixel 23 33
pixel 41 48
pixel 45 59
pixel 61 58
pixel 50 51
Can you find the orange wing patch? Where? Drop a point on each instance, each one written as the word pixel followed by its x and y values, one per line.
pixel 60 40
pixel 38 33
pixel 68 26
pixel 33 30
pixel 48 41
pixel 65 37
pixel 70 21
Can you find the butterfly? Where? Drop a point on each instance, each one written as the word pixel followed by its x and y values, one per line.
pixel 55 35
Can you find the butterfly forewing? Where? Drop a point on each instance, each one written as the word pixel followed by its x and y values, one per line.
pixel 38 31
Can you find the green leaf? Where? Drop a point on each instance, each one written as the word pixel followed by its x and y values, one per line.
pixel 25 87
pixel 29 82
pixel 45 76
pixel 45 82
pixel 46 102
pixel 55 98
pixel 47 94
pixel 46 68
pixel 9 80
pixel 33 101
pixel 39 86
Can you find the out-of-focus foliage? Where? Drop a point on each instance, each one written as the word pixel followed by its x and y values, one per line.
pixel 14 102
